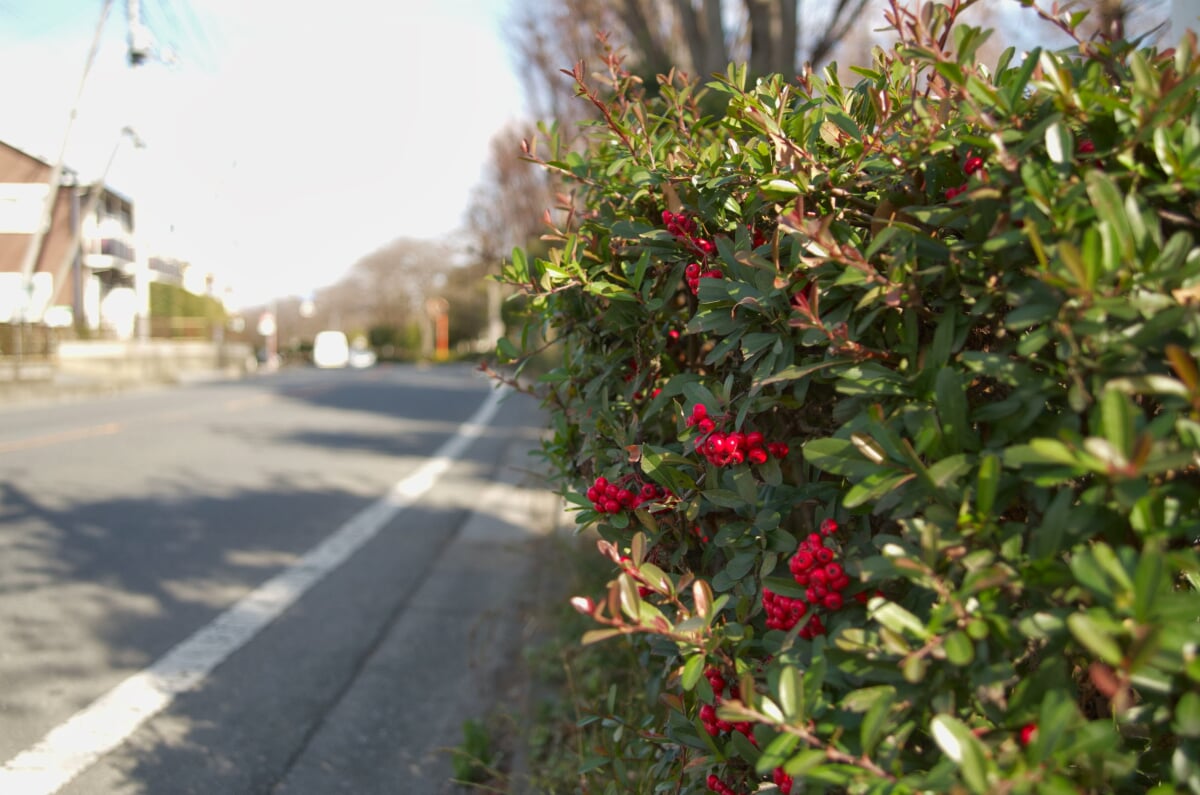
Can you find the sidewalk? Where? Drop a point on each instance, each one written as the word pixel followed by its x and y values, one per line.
pixel 460 644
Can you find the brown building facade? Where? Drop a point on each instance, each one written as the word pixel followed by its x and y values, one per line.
pixel 87 257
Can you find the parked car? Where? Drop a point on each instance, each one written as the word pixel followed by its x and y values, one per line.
pixel 331 349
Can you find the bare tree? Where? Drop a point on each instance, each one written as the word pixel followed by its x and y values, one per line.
pixel 511 201
pixel 699 37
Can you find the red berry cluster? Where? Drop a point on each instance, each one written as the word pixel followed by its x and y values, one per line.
pixel 613 498
pixel 679 224
pixel 695 271
pixel 972 165
pixel 780 778
pixel 708 712
pixel 726 449
pixel 815 567
pixel 718 786
pixel 684 228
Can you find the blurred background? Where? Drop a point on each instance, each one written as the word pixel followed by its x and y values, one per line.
pixel 260 171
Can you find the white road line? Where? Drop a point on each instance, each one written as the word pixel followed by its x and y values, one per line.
pixel 97 729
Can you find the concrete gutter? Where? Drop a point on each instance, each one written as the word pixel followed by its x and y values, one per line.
pixel 460 643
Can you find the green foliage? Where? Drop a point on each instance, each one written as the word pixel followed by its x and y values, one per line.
pixel 170 301
pixel 472 760
pixel 393 343
pixel 965 297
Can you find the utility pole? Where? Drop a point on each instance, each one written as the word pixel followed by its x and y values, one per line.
pixel 34 249
pixel 140 39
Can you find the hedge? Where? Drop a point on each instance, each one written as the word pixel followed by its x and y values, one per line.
pixel 884 401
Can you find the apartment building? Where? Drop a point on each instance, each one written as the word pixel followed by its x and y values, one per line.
pixel 86 272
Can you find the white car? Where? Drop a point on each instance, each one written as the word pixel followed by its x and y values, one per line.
pixel 331 349
pixel 362 357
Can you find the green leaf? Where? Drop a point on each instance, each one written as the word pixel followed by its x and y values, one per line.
pixel 896 618
pixel 666 469
pixel 1147 581
pixel 838 457
pixel 740 744
pixel 799 372
pixel 874 486
pixel 597 635
pixel 506 351
pixel 800 764
pixel 1118 421
pixel 875 723
pixel 691 671
pixel 1187 715
pixel 952 409
pixel 1088 573
pixel 776 753
pixel 963 748
pixel 789 694
pixel 960 651
pixel 1095 638
pixel 1110 208
pixel 1060 143
pixel 631 602
pixel 986 485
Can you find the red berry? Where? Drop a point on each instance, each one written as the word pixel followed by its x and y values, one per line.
pixel 1026 734
pixel 972 164
pixel 828 527
pixel 757 455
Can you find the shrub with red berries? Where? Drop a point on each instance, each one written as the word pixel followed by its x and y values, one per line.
pixel 612 498
pixel 816 569
pixel 728 449
pixel 902 383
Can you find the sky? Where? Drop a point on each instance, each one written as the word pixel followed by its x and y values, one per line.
pixel 283 139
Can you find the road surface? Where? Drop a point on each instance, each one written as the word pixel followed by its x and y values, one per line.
pixel 220 560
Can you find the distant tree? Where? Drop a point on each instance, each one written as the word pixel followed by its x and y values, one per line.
pixel 699 37
pixel 511 200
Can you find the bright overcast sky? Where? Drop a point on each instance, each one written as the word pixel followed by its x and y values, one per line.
pixel 289 139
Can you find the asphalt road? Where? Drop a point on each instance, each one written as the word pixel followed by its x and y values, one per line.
pixel 130 523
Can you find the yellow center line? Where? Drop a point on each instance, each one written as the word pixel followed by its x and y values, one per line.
pixel 107 429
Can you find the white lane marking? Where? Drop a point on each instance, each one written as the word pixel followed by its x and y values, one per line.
pixel 97 729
